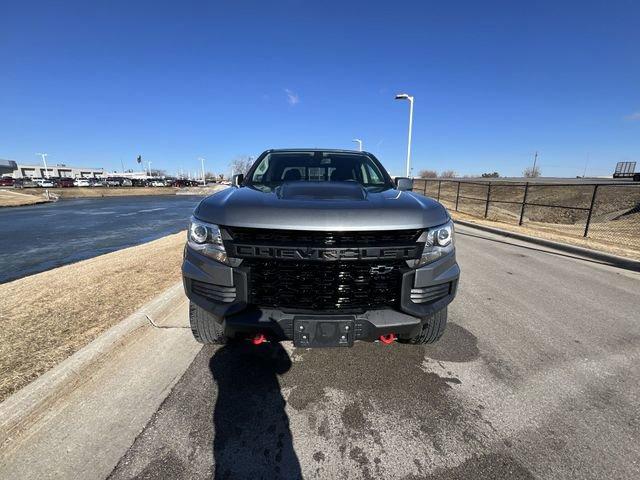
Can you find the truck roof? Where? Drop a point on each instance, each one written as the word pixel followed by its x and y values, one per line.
pixel 332 150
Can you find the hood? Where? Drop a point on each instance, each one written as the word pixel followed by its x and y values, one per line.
pixel 341 206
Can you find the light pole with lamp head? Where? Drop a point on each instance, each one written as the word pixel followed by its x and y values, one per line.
pixel 204 182
pixel 359 142
pixel 404 96
pixel 44 160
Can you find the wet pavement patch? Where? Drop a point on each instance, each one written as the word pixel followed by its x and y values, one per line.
pixel 494 465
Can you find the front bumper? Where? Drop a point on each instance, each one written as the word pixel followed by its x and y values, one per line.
pixel 222 290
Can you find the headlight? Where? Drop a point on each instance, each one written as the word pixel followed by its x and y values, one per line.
pixel 438 242
pixel 205 238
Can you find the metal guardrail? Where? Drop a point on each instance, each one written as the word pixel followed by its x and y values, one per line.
pixel 609 212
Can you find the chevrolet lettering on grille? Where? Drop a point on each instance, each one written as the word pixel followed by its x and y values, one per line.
pixel 326 254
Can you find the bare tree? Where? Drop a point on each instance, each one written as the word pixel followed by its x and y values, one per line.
pixel 448 174
pixel 428 174
pixel 531 172
pixel 241 164
pixel 158 172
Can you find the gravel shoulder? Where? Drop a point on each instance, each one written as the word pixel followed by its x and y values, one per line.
pixel 45 318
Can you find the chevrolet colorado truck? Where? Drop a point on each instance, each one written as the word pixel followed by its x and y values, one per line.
pixel 323 248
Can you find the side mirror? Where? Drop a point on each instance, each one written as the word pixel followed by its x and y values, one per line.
pixel 237 179
pixel 404 183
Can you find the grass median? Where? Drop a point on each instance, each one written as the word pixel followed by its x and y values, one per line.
pixel 45 318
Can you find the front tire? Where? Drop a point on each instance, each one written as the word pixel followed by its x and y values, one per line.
pixel 205 326
pixel 432 329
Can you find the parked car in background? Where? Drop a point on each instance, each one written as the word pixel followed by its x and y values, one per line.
pixel 61 182
pixel 66 182
pixel 81 182
pixel 44 182
pixel 118 182
pixel 25 182
pixel 6 182
pixel 179 183
pixel 139 182
pixel 97 182
pixel 157 182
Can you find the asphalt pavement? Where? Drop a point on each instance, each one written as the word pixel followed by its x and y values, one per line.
pixel 537 376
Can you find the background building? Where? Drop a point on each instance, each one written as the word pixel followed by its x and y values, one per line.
pixel 24 170
pixel 7 167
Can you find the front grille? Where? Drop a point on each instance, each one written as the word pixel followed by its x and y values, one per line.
pixel 324 286
pixel 259 236
pixel 213 292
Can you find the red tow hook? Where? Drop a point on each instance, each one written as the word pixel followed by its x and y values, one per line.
pixel 258 339
pixel 387 339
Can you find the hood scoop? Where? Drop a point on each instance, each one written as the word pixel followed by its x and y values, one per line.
pixel 321 191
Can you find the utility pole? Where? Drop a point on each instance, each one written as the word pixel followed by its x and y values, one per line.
pixel 535 160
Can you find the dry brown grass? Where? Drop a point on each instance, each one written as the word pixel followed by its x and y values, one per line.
pixel 541 232
pixel 614 224
pixel 44 318
pixel 9 198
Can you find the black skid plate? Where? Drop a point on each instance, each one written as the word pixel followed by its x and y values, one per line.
pixel 317 331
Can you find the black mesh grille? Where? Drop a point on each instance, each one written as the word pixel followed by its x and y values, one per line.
pixel 324 286
pixel 258 236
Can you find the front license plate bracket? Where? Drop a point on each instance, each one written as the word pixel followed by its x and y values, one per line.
pixel 315 332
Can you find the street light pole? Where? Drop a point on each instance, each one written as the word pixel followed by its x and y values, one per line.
pixel 404 96
pixel 149 168
pixel 359 142
pixel 204 182
pixel 44 160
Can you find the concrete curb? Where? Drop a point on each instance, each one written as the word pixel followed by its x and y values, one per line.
pixel 27 404
pixel 609 259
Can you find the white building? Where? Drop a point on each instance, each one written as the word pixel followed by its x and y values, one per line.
pixel 65 171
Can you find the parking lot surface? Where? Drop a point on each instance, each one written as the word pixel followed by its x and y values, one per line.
pixel 537 376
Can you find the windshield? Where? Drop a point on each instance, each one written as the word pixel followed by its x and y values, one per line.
pixel 275 168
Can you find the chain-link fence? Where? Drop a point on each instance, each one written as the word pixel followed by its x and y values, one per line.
pixel 606 212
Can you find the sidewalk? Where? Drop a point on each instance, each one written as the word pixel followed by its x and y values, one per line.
pixel 78 420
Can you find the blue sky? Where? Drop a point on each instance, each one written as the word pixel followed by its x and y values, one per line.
pixel 92 83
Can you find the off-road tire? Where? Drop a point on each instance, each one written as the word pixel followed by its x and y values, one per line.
pixel 432 329
pixel 206 327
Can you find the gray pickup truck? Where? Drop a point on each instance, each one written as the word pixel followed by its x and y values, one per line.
pixel 323 248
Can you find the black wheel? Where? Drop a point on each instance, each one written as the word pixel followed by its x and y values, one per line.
pixel 432 329
pixel 206 327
